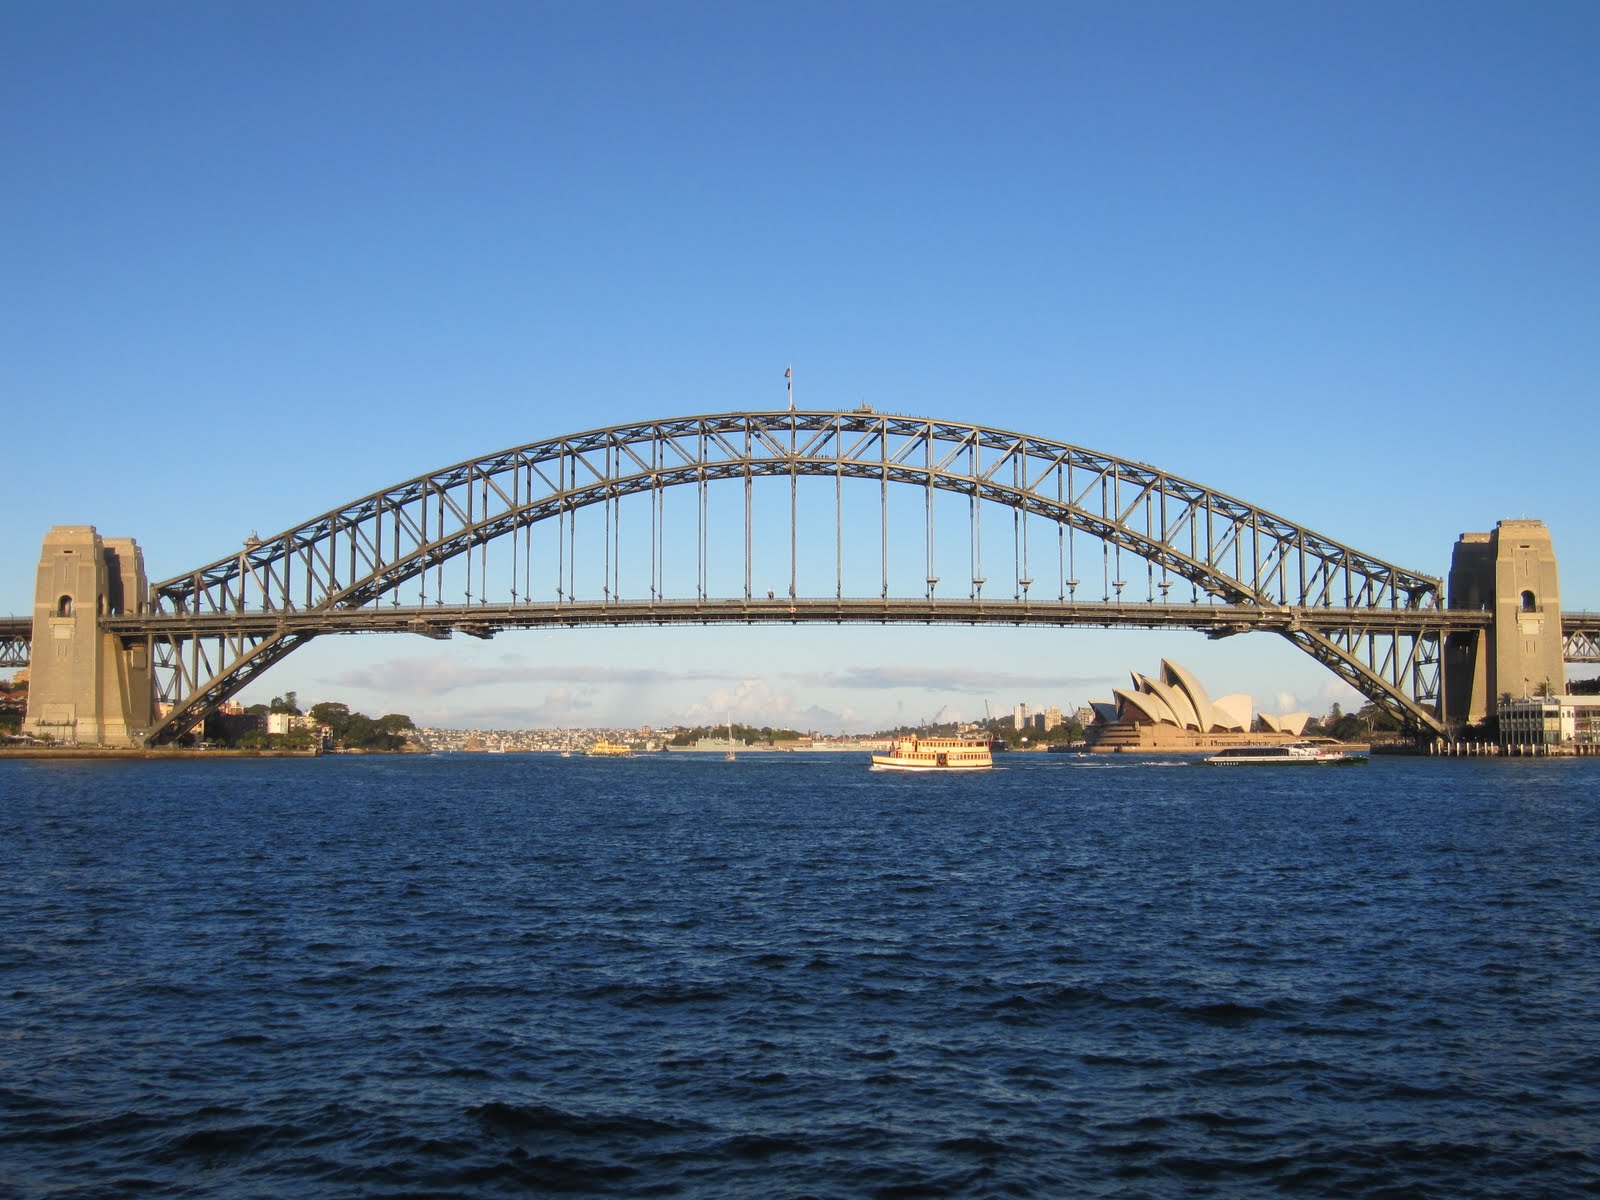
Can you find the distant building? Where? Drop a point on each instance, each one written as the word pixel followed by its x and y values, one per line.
pixel 1019 716
pixel 279 723
pixel 1551 724
pixel 1051 718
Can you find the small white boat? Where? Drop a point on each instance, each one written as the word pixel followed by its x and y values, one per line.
pixel 1303 754
pixel 935 754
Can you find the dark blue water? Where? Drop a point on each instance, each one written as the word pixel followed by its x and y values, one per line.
pixel 790 976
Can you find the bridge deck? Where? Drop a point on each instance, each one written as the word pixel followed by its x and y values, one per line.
pixel 479 619
pixel 1582 629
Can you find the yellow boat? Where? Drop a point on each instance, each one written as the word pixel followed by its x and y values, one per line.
pixel 935 754
pixel 605 749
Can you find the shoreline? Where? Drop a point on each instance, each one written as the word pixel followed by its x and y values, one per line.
pixel 82 753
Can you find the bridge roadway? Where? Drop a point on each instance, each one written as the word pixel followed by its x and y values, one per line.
pixel 485 620
pixel 1580 629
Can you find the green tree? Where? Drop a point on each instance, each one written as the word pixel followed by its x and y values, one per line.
pixel 1378 718
pixel 395 723
pixel 359 731
pixel 332 714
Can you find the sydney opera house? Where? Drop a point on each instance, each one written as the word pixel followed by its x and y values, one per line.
pixel 1173 713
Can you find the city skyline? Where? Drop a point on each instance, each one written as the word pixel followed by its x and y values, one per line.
pixel 1336 262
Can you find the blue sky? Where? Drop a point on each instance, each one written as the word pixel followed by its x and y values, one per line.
pixel 1338 260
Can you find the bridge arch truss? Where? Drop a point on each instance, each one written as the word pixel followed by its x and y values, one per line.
pixel 456 550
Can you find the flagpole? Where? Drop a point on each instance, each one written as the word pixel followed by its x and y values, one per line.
pixel 788 379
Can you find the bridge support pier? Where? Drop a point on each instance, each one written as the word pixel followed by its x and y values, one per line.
pixel 1511 573
pixel 84 685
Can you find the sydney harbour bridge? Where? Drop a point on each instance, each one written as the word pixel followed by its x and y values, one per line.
pixel 790 517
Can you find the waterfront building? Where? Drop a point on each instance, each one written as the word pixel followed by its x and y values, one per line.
pixel 1171 712
pixel 1562 724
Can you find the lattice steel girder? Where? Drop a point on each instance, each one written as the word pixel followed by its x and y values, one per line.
pixel 1402 683
pixel 1218 619
pixel 196 673
pixel 1403 663
pixel 351 557
pixel 1582 646
pixel 15 646
pixel 1232 550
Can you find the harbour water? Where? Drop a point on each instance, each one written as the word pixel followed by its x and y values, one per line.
pixel 789 976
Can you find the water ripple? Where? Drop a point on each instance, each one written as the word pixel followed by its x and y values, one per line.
pixel 472 977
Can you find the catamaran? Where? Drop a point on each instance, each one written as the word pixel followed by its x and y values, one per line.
pixel 1305 754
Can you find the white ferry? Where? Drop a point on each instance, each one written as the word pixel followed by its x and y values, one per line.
pixel 935 754
pixel 1305 754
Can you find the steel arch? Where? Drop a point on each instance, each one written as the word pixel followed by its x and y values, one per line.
pixel 353 558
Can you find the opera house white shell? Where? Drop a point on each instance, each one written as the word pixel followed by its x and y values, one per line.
pixel 1175 701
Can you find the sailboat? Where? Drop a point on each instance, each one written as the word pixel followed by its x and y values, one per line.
pixel 729 756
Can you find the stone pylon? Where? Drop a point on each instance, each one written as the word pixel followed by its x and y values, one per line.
pixel 1510 573
pixel 84 685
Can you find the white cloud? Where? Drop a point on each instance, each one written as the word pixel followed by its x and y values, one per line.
pixel 941 679
pixel 752 701
pixel 436 676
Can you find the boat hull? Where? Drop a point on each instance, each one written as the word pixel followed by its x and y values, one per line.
pixel 932 768
pixel 1342 761
pixel 1286 754
pixel 935 755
